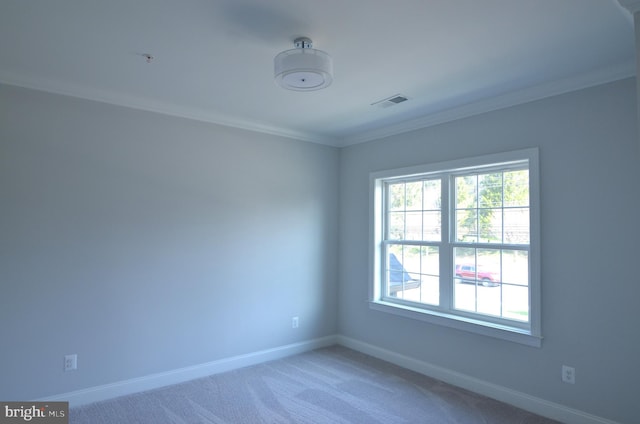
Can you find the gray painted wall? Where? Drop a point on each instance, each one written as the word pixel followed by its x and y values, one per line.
pixel 146 243
pixel 636 27
pixel 590 231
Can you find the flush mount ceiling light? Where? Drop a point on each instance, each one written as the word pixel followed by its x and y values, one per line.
pixel 303 68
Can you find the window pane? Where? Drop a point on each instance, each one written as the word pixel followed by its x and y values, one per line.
pixel 488 267
pixel 396 275
pixel 430 260
pixel 411 259
pixel 431 226
pixel 466 196
pixel 422 263
pixel 432 195
pixel 516 225
pixel 483 265
pixel 412 273
pixel 396 197
pixel 490 225
pixel 515 267
pixel 516 188
pixel 465 255
pixel 394 264
pixel 432 215
pixel 413 196
pixel 401 260
pixel 489 300
pixel 414 226
pixel 466 226
pixel 464 294
pixel 430 275
pixel 428 292
pixel 490 186
pixel 492 282
pixel 515 302
pixel 396 226
pixel 501 215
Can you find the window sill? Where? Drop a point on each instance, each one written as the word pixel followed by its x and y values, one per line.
pixel 512 334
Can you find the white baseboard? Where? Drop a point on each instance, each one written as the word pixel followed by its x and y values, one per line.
pixel 521 400
pixel 154 381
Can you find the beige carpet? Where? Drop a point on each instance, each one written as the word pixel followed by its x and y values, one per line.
pixel 333 385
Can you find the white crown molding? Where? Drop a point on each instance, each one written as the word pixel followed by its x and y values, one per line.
pixel 632 6
pixel 487 105
pixel 135 102
pixel 499 102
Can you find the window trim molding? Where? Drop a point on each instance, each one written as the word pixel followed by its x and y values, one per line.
pixel 533 335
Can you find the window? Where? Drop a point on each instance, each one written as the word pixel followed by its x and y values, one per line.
pixel 456 243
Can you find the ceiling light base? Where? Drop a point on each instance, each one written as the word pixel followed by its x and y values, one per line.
pixel 303 68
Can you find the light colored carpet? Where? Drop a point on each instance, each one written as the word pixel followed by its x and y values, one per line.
pixel 332 385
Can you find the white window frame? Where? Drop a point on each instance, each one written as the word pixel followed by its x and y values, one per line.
pixel 529 334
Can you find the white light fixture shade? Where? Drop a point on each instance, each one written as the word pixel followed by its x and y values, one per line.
pixel 303 69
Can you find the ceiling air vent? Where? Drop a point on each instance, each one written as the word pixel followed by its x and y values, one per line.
pixel 390 101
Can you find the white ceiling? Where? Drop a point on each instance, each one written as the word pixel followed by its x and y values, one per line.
pixel 214 58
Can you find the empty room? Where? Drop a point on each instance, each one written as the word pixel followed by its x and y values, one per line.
pixel 286 211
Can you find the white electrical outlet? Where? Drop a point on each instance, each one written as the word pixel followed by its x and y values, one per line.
pixel 568 374
pixel 70 362
pixel 294 322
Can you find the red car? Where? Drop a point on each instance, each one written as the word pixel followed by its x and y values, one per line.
pixel 467 273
